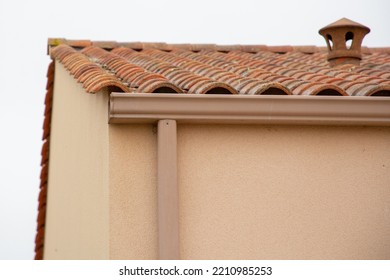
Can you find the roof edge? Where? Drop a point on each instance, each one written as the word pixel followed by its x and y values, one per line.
pixel 281 110
pixel 108 45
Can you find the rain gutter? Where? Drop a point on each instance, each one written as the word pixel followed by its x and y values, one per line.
pixel 233 109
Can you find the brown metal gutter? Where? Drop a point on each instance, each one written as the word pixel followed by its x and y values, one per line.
pixel 286 110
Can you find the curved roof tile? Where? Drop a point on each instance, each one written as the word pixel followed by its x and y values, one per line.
pixel 93 77
pixel 370 90
pixel 210 87
pixel 265 88
pixel 158 86
pixel 302 70
pixel 319 89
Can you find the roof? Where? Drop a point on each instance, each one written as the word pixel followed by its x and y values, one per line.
pixel 205 69
pixel 199 69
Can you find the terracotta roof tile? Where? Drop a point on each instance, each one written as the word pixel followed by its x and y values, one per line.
pixel 91 75
pixel 280 49
pixel 105 44
pixel 44 165
pixel 305 49
pixel 183 68
pixel 211 87
pixel 156 86
pixel 45 153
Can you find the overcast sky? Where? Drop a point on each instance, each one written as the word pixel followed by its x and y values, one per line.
pixel 26 25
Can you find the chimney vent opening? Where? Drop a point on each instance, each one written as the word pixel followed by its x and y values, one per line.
pixel 329 42
pixel 349 40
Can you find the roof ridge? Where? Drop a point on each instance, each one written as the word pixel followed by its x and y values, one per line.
pixel 250 48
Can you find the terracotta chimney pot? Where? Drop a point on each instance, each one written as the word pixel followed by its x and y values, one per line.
pixel 337 36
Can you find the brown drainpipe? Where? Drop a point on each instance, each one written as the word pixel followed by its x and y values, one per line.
pixel 167 191
pixel 337 35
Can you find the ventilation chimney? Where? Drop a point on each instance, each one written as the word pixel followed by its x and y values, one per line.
pixel 344 39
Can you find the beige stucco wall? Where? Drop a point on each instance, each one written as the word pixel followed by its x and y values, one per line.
pixel 78 203
pixel 133 199
pixel 257 192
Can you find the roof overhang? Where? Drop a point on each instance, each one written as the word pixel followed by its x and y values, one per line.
pixel 239 109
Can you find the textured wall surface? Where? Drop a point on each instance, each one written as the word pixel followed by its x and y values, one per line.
pixel 77 210
pixel 256 192
pixel 133 192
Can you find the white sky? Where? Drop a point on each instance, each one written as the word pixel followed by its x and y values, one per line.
pixel 26 25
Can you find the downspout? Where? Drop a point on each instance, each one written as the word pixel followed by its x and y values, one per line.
pixel 167 191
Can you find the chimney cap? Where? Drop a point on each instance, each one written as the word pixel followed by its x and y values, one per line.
pixel 343 22
pixel 344 41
